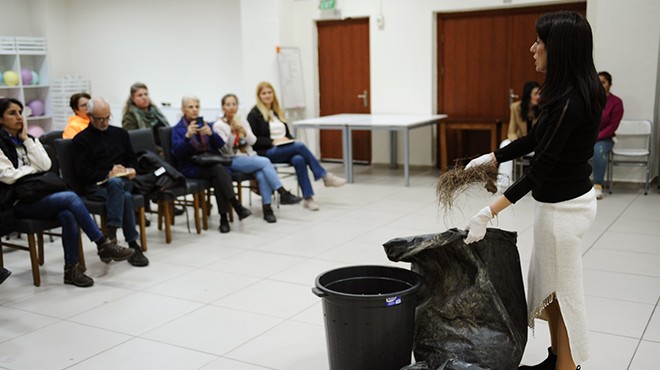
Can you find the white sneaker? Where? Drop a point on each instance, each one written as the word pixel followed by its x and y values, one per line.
pixel 599 191
pixel 332 180
pixel 311 204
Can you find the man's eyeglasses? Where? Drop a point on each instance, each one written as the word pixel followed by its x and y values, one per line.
pixel 101 119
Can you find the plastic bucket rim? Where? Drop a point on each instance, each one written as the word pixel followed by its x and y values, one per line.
pixel 334 293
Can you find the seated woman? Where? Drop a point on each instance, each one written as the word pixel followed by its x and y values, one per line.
pixel 524 114
pixel 238 138
pixel 79 121
pixel 609 122
pixel 191 136
pixel 140 112
pixel 24 155
pixel 275 142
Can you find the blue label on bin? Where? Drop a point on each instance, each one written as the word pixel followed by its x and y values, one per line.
pixel 392 301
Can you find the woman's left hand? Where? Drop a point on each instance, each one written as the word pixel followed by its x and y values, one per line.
pixel 205 130
pixel 477 225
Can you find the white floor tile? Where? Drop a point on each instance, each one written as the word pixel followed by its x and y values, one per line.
pixel 138 354
pixel 57 346
pixel 136 313
pixel 213 329
pixel 647 356
pixel 653 330
pixel 272 298
pixel 243 300
pixel 602 316
pixel 291 346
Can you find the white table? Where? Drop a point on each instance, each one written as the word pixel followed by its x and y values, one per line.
pixel 347 123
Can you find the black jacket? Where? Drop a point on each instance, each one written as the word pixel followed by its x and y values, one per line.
pixel 261 129
pixel 96 152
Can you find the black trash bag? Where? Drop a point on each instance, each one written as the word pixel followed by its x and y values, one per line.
pixel 448 365
pixel 472 304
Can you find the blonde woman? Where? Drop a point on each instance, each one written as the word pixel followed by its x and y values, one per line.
pixel 274 141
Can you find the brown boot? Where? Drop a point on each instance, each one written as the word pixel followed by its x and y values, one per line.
pixel 74 275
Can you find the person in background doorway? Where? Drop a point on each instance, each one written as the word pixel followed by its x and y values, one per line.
pixel 238 138
pixel 524 114
pixel 80 120
pixel 274 141
pixel 572 101
pixel 609 122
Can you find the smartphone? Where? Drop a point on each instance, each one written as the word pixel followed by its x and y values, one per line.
pixel 200 121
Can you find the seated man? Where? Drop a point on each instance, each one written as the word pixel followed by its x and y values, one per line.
pixel 105 162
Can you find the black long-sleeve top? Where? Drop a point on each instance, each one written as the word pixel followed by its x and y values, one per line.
pixel 560 167
pixel 261 129
pixel 96 152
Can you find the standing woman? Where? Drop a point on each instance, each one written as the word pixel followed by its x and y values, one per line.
pixel 238 138
pixel 140 112
pixel 80 120
pixel 609 122
pixel 572 101
pixel 276 142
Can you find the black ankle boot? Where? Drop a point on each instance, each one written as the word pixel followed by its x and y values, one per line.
pixel 269 216
pixel 138 258
pixel 547 364
pixel 73 274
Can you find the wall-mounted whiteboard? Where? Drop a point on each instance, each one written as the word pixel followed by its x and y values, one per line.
pixel 289 63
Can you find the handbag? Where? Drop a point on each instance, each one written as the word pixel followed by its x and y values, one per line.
pixel 31 188
pixel 210 159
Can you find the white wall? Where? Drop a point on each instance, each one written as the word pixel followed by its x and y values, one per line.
pixel 209 48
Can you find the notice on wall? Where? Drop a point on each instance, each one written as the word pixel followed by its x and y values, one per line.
pixel 289 65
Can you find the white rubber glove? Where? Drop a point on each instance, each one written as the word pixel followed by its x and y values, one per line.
pixel 481 160
pixel 477 225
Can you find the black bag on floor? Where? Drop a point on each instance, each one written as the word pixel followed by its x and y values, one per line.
pixel 472 307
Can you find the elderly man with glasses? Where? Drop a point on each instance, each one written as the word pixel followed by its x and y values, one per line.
pixel 105 163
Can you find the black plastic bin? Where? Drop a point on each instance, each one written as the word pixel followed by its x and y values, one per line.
pixel 369 314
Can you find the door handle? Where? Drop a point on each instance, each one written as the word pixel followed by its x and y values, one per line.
pixel 365 98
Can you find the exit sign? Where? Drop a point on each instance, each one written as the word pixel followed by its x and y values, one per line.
pixel 327 4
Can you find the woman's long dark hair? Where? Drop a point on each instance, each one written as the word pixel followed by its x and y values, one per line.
pixel 5 102
pixel 569 46
pixel 526 99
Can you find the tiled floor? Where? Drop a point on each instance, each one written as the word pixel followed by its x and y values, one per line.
pixel 243 300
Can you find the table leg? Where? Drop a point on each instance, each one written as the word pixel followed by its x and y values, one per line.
pixel 393 149
pixel 443 147
pixel 347 142
pixel 406 156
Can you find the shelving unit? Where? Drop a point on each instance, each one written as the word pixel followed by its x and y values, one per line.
pixel 17 53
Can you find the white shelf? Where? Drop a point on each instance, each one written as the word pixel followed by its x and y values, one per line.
pixel 18 53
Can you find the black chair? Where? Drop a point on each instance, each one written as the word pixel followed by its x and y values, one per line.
pixel 35 230
pixel 64 148
pixel 48 141
pixel 143 140
pixel 237 178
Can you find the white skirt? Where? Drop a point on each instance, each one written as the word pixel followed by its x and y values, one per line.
pixel 555 271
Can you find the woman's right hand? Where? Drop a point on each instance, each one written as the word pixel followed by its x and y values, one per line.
pixel 23 135
pixel 192 130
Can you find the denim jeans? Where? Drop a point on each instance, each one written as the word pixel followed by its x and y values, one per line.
pixel 263 170
pixel 602 150
pixel 71 212
pixel 119 205
pixel 299 157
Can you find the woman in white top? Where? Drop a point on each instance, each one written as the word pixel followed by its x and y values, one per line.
pixel 276 142
pixel 238 138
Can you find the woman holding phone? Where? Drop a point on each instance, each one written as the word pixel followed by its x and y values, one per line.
pixel 191 136
pixel 274 141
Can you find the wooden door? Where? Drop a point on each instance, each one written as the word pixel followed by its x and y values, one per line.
pixel 481 57
pixel 343 51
